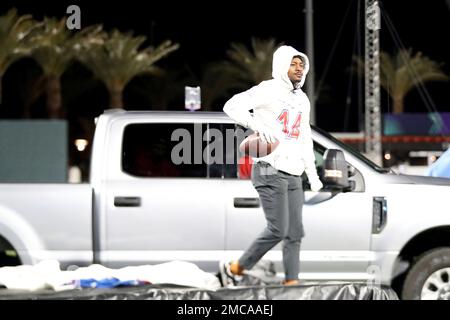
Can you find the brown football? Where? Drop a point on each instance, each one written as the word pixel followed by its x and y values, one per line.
pixel 255 147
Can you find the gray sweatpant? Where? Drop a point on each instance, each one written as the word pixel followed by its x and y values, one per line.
pixel 282 198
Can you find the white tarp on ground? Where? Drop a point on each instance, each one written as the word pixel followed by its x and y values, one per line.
pixel 48 275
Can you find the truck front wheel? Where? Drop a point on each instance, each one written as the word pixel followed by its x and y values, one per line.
pixel 429 278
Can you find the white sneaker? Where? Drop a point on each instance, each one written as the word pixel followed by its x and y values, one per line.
pixel 227 277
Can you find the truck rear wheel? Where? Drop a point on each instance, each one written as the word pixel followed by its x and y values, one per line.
pixel 9 258
pixel 429 278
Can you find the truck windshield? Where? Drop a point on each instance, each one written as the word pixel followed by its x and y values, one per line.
pixel 353 151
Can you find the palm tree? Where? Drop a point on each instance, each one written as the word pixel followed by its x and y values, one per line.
pixel 163 89
pixel 54 49
pixel 14 32
pixel 249 66
pixel 215 84
pixel 402 73
pixel 244 68
pixel 117 59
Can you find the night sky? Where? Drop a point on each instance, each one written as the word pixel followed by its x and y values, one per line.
pixel 205 29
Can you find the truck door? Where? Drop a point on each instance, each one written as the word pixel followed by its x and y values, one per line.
pixel 161 205
pixel 337 227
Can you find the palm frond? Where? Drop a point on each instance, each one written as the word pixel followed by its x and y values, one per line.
pixel 117 58
pixel 14 32
pixel 401 73
pixel 54 46
pixel 249 66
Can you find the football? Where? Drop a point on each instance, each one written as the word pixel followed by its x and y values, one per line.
pixel 255 147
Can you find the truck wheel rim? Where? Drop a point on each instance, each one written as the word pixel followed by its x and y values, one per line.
pixel 437 286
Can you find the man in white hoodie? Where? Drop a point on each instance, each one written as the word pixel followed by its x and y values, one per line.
pixel 280 112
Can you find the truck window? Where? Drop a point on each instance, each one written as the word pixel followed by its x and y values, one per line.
pixel 319 151
pixel 235 165
pixel 221 150
pixel 164 150
pixel 242 165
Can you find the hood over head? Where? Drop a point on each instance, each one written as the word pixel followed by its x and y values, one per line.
pixel 282 58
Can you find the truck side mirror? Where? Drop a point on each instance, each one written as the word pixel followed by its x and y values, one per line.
pixel 336 171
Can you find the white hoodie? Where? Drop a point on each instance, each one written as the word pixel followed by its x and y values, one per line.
pixel 275 102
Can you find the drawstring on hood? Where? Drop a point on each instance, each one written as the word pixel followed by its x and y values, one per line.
pixel 282 59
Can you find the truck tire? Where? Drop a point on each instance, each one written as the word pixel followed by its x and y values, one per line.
pixel 429 278
pixel 7 260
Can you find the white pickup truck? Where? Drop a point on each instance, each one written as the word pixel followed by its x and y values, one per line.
pixel 155 196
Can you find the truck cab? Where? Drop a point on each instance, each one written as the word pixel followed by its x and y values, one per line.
pixel 199 209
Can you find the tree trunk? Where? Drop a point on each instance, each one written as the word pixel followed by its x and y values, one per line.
pixel 53 91
pixel 1 87
pixel 398 104
pixel 115 96
pixel 26 111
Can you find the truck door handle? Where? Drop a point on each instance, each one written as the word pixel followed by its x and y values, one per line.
pixel 246 202
pixel 127 201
